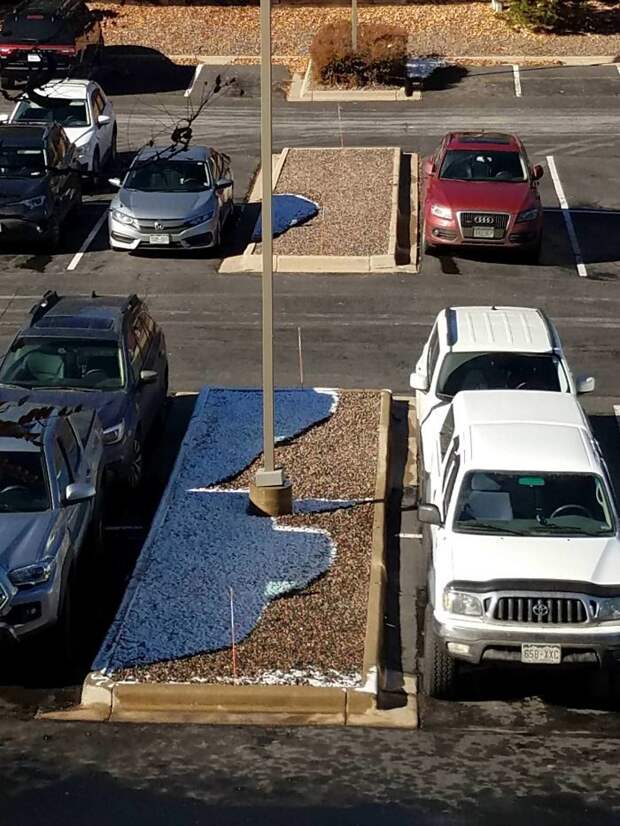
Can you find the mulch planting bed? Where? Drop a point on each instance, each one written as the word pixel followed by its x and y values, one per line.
pixel 353 188
pixel 314 636
pixel 448 28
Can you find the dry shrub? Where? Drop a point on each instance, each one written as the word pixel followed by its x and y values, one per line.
pixel 379 58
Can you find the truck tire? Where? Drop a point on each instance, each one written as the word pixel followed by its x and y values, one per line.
pixel 439 674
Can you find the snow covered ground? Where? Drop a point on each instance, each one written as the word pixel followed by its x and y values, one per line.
pixel 203 541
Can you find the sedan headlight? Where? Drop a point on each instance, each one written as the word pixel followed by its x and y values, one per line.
pixel 200 219
pixel 528 215
pixel 460 602
pixel 33 203
pixel 124 218
pixel 114 435
pixel 441 211
pixel 34 574
pixel 609 610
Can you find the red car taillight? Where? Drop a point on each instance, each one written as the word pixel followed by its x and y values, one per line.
pixel 69 51
pixel 5 50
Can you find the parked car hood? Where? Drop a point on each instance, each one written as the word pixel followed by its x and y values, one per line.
pixel 18 189
pixel 578 559
pixel 481 196
pixel 164 205
pixel 109 405
pixel 27 537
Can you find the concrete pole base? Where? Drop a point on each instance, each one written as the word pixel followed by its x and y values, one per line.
pixel 275 500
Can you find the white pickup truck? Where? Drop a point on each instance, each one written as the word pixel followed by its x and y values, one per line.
pixel 522 534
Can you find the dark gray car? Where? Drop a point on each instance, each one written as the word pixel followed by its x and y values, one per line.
pixel 172 199
pixel 51 466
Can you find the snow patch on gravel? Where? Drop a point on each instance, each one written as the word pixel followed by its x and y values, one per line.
pixel 204 541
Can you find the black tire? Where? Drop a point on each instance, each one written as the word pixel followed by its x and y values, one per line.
pixel 58 644
pixel 440 669
pixel 95 172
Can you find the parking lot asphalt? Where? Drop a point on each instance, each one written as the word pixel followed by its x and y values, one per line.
pixel 356 331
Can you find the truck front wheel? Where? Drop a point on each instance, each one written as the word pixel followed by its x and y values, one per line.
pixel 439 675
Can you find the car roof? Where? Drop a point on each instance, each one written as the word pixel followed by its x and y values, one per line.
pixel 77 88
pixel 500 141
pixel 21 420
pixel 523 430
pixel 17 134
pixel 98 317
pixel 497 329
pixel 188 153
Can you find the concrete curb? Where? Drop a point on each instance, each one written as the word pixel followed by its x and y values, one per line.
pixel 103 699
pixel 301 91
pixel 251 262
pixel 414 221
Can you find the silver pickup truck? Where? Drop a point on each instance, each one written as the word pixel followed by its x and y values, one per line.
pixel 50 510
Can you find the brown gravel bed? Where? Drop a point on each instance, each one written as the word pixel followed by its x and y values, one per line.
pixel 353 188
pixel 322 628
pixel 450 28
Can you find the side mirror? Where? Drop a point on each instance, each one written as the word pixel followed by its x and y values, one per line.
pixel 148 376
pixel 428 167
pixel 585 384
pixel 429 515
pixel 78 492
pixel 537 172
pixel 4 118
pixel 418 382
pixel 223 183
pixel 102 120
pixel 115 182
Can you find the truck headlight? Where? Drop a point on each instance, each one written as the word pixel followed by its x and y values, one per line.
pixel 114 435
pixel 34 574
pixel 609 610
pixel 460 602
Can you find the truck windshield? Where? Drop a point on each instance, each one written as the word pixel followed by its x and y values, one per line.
pixel 500 371
pixel 70 364
pixel 22 482
pixel 529 504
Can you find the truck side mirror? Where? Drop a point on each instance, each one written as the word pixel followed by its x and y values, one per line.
pixel 418 382
pixel 585 384
pixel 429 514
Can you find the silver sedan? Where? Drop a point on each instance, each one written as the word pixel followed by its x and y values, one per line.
pixel 172 198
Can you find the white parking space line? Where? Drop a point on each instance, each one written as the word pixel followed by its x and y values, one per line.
pixel 517 78
pixel 568 218
pixel 89 239
pixel 197 72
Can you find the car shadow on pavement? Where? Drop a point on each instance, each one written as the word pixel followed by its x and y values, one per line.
pixel 139 70
pixel 33 673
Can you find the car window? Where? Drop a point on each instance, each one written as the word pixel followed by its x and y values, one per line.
pixel 483 165
pixel 447 432
pixel 63 363
pixel 433 354
pixel 21 161
pixel 450 473
pixel 168 176
pixel 499 371
pixel 98 103
pixel 23 486
pixel 71 113
pixel 70 446
pixel 62 469
pixel 536 503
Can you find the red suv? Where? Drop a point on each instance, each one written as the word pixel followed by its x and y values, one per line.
pixel 480 190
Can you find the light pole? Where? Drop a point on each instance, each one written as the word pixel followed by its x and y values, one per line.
pixel 270 492
pixel 354 25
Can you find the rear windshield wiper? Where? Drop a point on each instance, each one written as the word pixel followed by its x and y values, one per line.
pixel 473 527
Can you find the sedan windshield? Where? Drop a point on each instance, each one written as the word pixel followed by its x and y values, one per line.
pixel 500 371
pixel 483 165
pixel 528 504
pixel 21 162
pixel 64 363
pixel 68 113
pixel 168 176
pixel 22 482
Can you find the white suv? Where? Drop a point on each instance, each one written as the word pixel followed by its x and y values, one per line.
pixel 490 348
pixel 521 529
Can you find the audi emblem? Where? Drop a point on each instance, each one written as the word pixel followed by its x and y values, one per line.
pixel 540 609
pixel 484 219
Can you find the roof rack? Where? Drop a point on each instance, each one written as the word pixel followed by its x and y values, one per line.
pixel 49 300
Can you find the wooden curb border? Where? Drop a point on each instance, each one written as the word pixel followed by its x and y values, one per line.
pixel 103 699
pixel 251 262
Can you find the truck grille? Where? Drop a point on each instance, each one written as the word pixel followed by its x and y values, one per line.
pixel 540 610
pixel 497 221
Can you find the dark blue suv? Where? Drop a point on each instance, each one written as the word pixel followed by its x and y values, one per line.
pixel 103 352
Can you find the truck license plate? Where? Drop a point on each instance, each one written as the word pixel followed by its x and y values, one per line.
pixel 484 232
pixel 33 58
pixel 159 239
pixel 541 654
